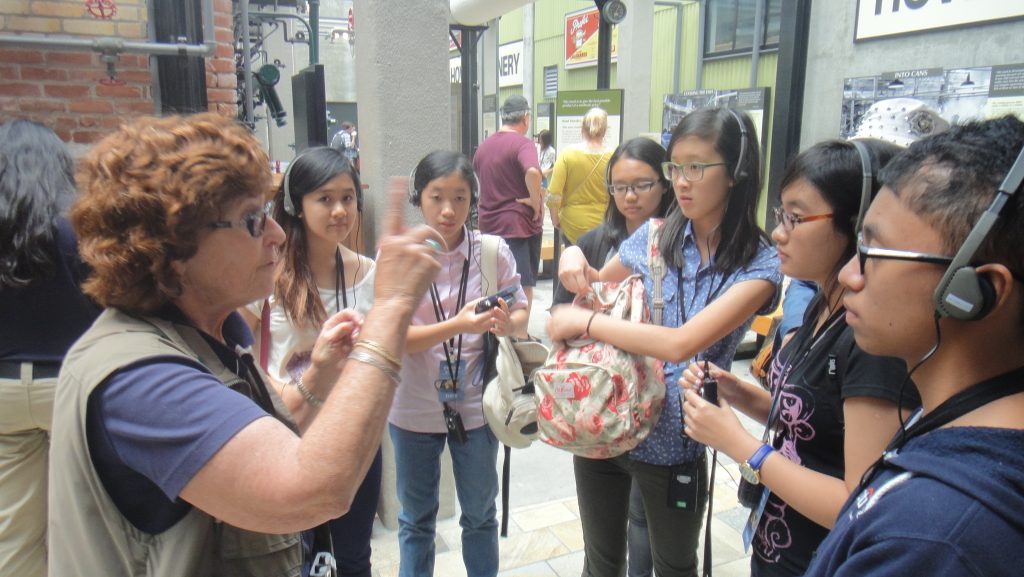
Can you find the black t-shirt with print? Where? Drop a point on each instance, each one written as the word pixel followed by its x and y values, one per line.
pixel 820 373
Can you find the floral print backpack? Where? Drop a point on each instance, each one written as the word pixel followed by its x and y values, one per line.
pixel 593 399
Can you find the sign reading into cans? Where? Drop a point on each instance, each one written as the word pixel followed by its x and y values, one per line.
pixel 581 38
pixel 510 65
pixel 878 18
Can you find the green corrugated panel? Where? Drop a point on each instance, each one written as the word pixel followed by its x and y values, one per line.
pixel 510 27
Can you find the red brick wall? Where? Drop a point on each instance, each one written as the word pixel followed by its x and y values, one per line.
pixel 69 91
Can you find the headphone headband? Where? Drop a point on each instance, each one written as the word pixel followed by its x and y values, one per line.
pixel 867 182
pixel 962 294
pixel 738 173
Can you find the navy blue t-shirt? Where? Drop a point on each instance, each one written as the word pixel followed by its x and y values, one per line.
pixel 42 320
pixel 153 425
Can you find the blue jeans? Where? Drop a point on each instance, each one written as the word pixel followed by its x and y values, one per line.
pixel 418 472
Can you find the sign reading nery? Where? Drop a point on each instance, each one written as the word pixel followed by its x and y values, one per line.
pixel 878 18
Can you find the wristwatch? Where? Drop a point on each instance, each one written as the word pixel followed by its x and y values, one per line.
pixel 751 468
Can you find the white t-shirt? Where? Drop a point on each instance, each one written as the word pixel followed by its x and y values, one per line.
pixel 291 346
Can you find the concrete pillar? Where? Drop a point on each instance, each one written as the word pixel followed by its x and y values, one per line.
pixel 402 87
pixel 633 72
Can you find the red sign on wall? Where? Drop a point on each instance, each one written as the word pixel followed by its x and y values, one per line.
pixel 581 38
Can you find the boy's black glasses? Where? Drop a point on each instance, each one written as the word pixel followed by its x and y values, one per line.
pixel 865 252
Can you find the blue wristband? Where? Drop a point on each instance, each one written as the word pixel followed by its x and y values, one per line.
pixel 757 459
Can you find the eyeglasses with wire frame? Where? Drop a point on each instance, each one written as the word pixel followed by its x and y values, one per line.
pixel 865 252
pixel 254 222
pixel 691 171
pixel 619 189
pixel 788 220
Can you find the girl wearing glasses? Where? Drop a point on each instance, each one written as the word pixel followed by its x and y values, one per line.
pixel 832 407
pixel 721 272
pixel 318 204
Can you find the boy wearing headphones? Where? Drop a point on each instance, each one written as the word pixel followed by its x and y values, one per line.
pixel 937 282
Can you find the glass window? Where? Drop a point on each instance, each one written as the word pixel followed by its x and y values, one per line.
pixel 730 25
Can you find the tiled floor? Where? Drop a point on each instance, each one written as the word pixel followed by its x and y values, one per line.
pixel 545 540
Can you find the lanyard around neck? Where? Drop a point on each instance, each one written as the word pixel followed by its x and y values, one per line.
pixel 439 313
pixel 339 280
pixel 801 352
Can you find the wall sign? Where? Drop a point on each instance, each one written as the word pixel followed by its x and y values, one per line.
pixel 510 65
pixel 581 38
pixel 572 105
pixel 879 18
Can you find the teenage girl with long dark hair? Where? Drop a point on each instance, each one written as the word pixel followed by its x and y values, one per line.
pixel 721 271
pixel 319 204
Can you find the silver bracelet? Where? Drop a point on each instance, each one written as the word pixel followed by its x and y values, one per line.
pixel 375 362
pixel 308 396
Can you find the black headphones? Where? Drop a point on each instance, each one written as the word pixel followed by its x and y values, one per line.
pixel 867 181
pixel 739 173
pixel 962 293
pixel 289 204
pixel 416 195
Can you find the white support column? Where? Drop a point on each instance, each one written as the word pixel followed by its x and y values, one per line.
pixel 633 72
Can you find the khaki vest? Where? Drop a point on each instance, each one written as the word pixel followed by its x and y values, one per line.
pixel 88 536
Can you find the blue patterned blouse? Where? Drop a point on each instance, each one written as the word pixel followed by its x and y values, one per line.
pixel 701 285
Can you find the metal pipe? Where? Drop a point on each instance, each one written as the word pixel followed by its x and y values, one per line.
pixel 113 45
pixel 108 45
pixel 314 31
pixel 701 16
pixel 677 65
pixel 755 49
pixel 250 119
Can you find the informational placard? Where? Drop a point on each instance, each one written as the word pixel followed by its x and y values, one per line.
pixel 879 18
pixel 572 105
pixel 489 122
pixel 581 35
pixel 957 95
pixel 753 101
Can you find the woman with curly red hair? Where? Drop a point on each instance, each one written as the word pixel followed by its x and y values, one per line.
pixel 170 454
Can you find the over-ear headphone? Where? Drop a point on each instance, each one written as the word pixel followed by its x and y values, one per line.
pixel 962 293
pixel 289 203
pixel 739 172
pixel 867 182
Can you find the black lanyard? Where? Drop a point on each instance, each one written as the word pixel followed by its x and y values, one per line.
pixel 712 294
pixel 953 408
pixel 439 314
pixel 797 359
pixel 339 279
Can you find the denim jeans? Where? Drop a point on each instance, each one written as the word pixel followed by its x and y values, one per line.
pixel 418 473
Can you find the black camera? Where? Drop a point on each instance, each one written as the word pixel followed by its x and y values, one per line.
pixel 508 295
pixel 709 386
pixel 749 494
pixel 453 421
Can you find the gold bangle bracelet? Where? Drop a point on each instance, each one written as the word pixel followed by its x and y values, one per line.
pixel 375 347
pixel 306 394
pixel 377 363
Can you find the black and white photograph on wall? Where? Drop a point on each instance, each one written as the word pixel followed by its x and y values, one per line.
pixel 906 105
pixel 753 101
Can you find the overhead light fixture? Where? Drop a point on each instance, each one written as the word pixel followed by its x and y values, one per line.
pixel 896 83
pixel 967 82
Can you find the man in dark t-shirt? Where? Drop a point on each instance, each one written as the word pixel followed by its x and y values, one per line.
pixel 511 201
